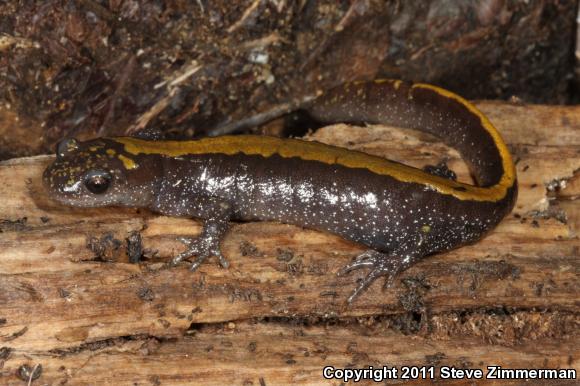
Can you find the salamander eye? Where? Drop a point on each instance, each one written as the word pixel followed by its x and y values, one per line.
pixel 97 181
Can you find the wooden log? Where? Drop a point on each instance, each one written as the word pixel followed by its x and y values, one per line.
pixel 71 301
pixel 249 353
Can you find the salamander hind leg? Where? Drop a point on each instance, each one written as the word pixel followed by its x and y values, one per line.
pixel 441 170
pixel 380 264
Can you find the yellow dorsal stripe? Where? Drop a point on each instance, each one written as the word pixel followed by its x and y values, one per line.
pixel 310 151
pixel 509 172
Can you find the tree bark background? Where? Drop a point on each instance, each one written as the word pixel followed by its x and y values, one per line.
pixel 90 68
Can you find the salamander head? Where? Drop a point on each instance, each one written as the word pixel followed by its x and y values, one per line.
pixel 95 173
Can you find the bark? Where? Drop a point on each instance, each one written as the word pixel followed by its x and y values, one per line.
pixel 71 301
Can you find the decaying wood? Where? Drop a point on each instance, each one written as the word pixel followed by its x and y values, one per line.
pixel 71 301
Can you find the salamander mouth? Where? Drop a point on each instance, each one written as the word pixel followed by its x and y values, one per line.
pixel 60 187
pixel 73 190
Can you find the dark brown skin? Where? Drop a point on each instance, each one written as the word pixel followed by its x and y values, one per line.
pixel 399 212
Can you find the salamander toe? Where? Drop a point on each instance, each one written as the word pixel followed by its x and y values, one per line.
pixel 202 248
pixel 380 264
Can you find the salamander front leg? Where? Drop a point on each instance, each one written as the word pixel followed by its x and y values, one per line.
pixel 208 242
pixel 380 264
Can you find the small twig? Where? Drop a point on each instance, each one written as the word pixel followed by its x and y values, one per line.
pixel 7 41
pixel 416 55
pixel 247 13
pixel 199 2
pixel 125 75
pixel 183 75
pixel 272 38
pixel 260 118
pixel 189 71
pixel 161 104
pixel 151 113
pixel 280 4
pixel 357 7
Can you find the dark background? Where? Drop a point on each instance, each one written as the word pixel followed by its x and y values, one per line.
pixel 90 68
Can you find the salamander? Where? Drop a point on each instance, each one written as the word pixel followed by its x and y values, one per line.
pixel 398 212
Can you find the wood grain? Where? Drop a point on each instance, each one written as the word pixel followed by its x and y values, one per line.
pixel 278 315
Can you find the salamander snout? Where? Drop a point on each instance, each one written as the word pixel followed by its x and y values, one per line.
pixel 86 174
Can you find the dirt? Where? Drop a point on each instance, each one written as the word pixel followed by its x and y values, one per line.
pixel 185 68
